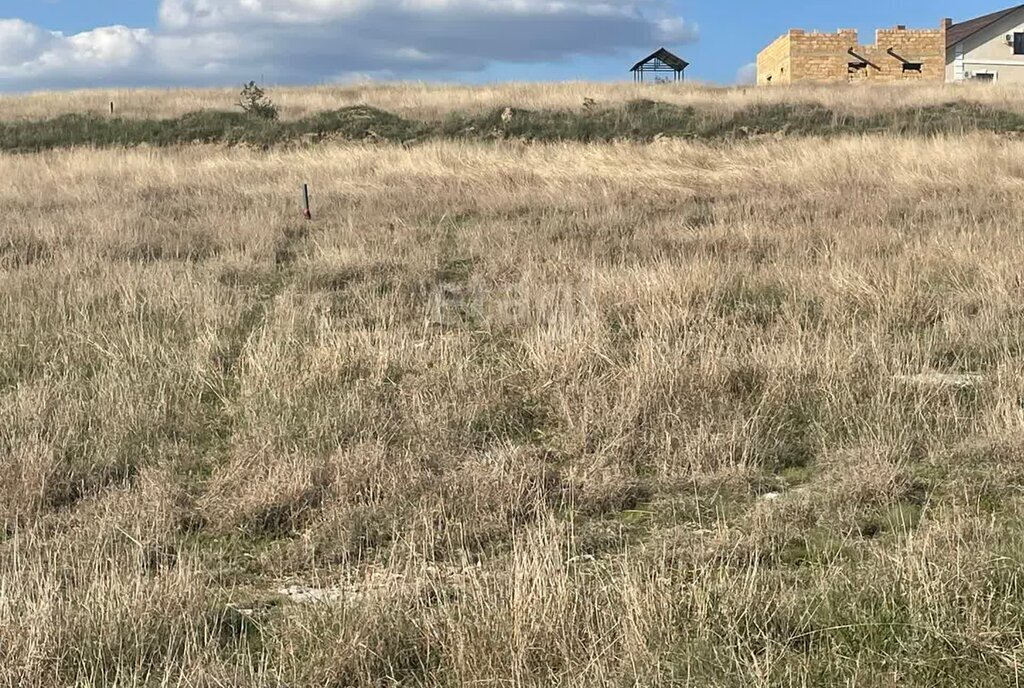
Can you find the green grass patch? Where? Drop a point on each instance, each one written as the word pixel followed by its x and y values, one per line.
pixel 638 120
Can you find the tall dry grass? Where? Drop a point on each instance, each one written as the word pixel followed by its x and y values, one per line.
pixel 502 414
pixel 434 101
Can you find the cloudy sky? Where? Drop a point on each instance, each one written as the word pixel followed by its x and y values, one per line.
pixel 84 43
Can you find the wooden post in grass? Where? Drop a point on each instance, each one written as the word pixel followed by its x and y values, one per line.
pixel 111 107
pixel 306 213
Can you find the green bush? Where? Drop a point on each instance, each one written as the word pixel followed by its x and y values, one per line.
pixel 254 101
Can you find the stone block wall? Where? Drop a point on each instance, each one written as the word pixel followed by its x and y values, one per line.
pixel 773 63
pixel 838 57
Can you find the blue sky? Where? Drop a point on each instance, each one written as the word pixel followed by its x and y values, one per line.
pixel 226 41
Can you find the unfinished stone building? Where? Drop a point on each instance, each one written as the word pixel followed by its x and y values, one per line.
pixel 897 54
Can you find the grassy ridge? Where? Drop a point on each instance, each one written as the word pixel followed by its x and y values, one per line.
pixel 637 120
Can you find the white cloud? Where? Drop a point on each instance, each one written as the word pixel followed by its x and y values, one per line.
pixel 227 41
pixel 21 42
pixel 675 30
pixel 747 74
pixel 111 46
pixel 28 53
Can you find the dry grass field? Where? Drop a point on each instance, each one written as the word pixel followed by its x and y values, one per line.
pixel 624 414
pixel 434 101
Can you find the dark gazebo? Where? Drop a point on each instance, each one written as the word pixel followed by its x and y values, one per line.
pixel 661 61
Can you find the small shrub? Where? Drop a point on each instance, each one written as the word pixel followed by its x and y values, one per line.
pixel 254 101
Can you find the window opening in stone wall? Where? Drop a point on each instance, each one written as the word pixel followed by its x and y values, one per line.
pixel 912 67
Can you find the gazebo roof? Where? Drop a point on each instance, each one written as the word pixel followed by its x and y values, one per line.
pixel 674 61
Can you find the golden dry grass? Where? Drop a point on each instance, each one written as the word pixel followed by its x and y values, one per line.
pixel 433 101
pixel 513 414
